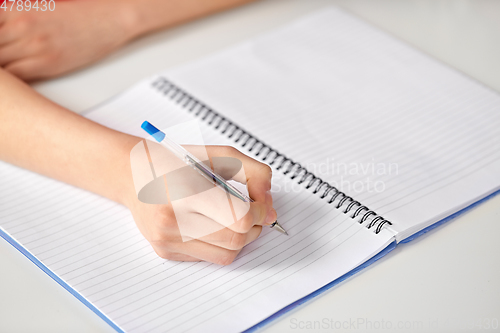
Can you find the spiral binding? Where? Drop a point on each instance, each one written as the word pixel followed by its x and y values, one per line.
pixel 270 155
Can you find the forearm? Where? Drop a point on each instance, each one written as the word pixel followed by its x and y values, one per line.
pixel 41 136
pixel 149 15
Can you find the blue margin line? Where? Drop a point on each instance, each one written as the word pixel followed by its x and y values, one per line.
pixel 448 218
pixel 44 268
pixel 321 290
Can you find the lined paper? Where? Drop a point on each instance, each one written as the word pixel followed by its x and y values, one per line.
pixel 326 89
pixel 94 245
pixel 349 101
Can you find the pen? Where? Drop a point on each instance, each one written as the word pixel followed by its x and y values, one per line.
pixel 199 166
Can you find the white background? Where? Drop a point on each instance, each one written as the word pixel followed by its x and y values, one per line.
pixel 447 279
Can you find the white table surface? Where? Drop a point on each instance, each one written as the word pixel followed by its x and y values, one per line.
pixel 447 280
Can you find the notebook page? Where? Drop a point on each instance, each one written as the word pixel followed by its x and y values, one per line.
pixel 395 129
pixel 94 245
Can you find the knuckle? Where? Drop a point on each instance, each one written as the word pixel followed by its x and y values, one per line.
pixel 237 241
pixel 265 170
pixel 161 242
pixel 40 42
pixel 53 57
pixel 229 151
pixel 268 169
pixel 245 223
pixel 163 239
pixel 164 253
pixel 162 223
pixel 22 23
pixel 227 258
pixel 166 218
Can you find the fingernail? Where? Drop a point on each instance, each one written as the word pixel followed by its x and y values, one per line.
pixel 271 217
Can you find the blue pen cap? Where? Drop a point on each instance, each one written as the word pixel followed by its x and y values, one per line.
pixel 153 131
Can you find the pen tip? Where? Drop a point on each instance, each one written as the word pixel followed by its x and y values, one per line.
pixel 278 227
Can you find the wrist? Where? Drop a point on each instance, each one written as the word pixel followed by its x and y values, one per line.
pixel 139 17
pixel 142 16
pixel 131 17
pixel 124 188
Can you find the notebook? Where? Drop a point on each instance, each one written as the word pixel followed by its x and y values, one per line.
pixel 372 143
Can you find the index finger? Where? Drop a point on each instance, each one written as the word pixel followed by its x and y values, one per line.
pixel 258 214
pixel 256 175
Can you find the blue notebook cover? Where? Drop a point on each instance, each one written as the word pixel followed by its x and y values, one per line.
pixel 275 315
pixel 66 286
pixel 385 251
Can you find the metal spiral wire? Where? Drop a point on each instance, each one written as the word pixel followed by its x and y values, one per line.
pixel 270 155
